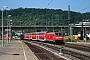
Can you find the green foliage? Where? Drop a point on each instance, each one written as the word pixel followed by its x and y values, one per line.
pixel 68 40
pixel 42 17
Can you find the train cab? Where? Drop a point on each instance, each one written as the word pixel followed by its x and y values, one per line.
pixel 55 37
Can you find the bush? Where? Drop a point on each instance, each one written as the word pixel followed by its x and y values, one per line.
pixel 69 40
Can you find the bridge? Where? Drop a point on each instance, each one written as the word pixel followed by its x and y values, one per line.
pixel 75 27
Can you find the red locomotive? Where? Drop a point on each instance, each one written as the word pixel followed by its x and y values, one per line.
pixel 56 37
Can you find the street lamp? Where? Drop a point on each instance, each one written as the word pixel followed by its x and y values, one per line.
pixel 8 29
pixel 10 24
pixel 2 24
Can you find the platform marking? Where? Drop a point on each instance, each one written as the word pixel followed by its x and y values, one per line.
pixel 23 50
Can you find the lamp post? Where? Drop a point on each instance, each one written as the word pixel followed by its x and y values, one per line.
pixel 2 24
pixel 8 29
pixel 10 24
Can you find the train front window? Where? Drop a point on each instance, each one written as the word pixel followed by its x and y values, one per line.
pixel 58 34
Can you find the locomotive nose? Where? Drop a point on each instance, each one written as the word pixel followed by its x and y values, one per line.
pixel 59 38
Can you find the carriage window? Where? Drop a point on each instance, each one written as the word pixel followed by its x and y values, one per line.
pixel 58 34
pixel 41 33
pixel 33 34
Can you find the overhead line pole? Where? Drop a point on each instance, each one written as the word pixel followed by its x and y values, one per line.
pixel 69 21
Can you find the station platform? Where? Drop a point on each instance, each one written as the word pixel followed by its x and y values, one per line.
pixel 16 50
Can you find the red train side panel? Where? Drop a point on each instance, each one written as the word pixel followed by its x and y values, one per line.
pixel 54 36
pixel 45 36
pixel 42 36
pixel 26 36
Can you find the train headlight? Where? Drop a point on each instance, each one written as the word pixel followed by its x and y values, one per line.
pixel 61 37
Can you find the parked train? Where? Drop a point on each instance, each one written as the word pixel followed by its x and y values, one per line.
pixel 56 37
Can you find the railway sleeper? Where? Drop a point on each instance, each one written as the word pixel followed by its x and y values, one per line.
pixel 79 47
pixel 42 54
pixel 76 54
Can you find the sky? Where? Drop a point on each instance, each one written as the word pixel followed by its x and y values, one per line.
pixel 81 6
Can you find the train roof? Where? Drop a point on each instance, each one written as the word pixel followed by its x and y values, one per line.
pixel 42 32
pixel 54 32
pixel 27 33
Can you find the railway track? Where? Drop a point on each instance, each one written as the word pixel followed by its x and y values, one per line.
pixel 82 47
pixel 68 53
pixel 42 54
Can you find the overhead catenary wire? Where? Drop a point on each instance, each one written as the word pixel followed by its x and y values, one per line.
pixel 85 8
pixel 82 5
pixel 8 3
pixel 43 3
pixel 49 3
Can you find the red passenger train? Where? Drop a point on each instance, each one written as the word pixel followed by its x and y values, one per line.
pixel 56 37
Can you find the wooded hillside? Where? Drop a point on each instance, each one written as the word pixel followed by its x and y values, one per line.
pixel 42 17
